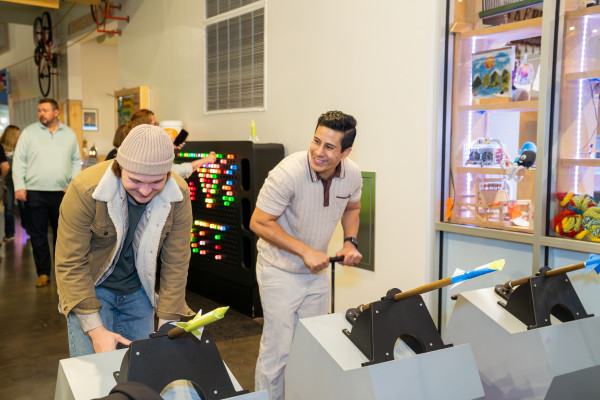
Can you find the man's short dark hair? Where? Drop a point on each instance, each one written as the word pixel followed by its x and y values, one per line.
pixel 338 121
pixel 49 100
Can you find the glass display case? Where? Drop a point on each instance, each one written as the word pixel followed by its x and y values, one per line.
pixel 494 114
pixel 575 191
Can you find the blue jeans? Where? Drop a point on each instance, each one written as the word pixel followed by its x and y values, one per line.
pixel 131 316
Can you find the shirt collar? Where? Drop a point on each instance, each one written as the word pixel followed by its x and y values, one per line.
pixel 59 125
pixel 339 172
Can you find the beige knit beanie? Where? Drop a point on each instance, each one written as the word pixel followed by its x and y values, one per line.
pixel 146 150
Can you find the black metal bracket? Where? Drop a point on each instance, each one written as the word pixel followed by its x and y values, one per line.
pixel 376 330
pixel 541 296
pixel 159 360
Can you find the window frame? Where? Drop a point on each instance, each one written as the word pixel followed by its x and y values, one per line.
pixel 260 4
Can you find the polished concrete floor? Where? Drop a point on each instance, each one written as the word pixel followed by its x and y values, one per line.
pixel 33 337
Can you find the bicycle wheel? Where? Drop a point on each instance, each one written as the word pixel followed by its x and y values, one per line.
pixel 38 53
pixel 37 32
pixel 44 74
pixel 99 12
pixel 47 29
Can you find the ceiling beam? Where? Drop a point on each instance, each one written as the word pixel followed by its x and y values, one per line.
pixel 37 3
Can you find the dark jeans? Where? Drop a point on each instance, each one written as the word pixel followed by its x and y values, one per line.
pixel 9 211
pixel 42 207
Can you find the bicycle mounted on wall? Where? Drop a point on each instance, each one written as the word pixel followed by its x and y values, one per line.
pixel 46 61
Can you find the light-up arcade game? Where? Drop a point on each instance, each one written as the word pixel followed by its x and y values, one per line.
pixel 223 195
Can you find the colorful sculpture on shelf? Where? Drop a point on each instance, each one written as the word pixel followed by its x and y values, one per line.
pixel 579 217
pixel 495 204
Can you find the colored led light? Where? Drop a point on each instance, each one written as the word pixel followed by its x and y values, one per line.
pixel 192 198
pixel 226 203
pixel 233 167
pixel 202 242
pixel 194 250
pixel 230 193
pixel 218 247
pixel 230 156
pixel 229 182
pixel 218 257
pixel 194 245
pixel 202 233
pixel 223 161
pixel 203 252
pixel 217 237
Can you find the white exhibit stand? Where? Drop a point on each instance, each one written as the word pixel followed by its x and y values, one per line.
pixel 325 364
pixel 91 377
pixel 560 361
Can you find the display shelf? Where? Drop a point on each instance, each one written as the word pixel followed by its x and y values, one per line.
pixel 512 31
pixel 591 12
pixel 579 162
pixel 576 106
pixel 581 246
pixel 491 171
pixel 487 233
pixel 505 225
pixel 515 106
pixel 574 76
pixel 513 123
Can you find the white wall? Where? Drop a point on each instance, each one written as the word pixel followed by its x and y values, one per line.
pixel 19 49
pixel 99 80
pixel 19 61
pixel 377 61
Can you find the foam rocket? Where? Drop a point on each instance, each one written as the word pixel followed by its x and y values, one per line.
pixel 197 324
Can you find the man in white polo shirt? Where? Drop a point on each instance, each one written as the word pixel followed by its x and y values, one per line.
pixel 297 210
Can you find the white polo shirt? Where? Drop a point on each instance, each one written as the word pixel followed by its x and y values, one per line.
pixel 295 193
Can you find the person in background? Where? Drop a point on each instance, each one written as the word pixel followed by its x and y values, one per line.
pixel 46 158
pixel 145 116
pixel 297 210
pixel 117 140
pixel 117 219
pixel 9 141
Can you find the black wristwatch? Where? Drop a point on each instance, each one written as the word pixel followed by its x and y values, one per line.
pixel 352 240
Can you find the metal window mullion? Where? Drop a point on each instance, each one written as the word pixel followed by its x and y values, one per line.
pixel 228 64
pixel 252 48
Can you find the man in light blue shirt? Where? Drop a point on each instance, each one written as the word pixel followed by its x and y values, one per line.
pixel 45 160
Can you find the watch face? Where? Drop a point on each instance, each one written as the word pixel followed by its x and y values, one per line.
pixel 352 240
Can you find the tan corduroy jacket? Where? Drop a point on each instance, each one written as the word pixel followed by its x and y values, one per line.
pixel 91 231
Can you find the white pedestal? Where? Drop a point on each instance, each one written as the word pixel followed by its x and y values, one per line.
pixel 560 361
pixel 90 377
pixel 325 364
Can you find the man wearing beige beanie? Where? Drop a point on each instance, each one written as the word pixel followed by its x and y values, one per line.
pixel 116 219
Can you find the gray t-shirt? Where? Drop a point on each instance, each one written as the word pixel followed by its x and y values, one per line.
pixel 124 279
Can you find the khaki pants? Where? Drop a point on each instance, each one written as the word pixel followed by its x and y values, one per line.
pixel 285 297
